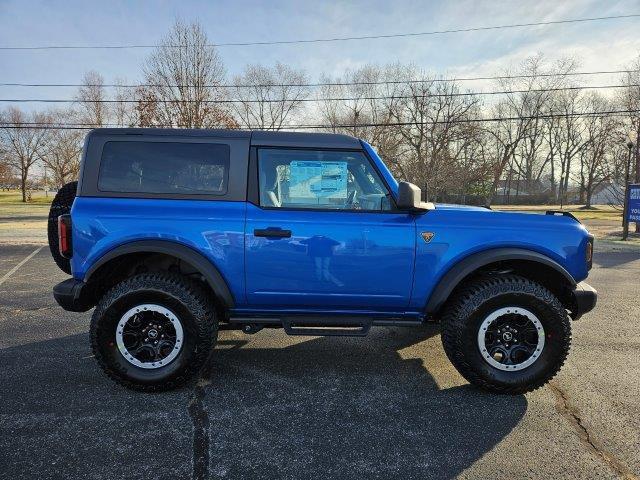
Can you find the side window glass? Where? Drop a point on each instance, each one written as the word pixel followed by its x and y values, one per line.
pixel 336 180
pixel 164 168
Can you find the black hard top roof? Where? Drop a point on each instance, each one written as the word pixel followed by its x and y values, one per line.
pixel 257 137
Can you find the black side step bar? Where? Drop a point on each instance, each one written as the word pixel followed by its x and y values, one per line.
pixel 353 326
pixel 348 326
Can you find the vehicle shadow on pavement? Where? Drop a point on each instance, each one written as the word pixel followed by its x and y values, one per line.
pixel 614 259
pixel 348 408
pixel 272 407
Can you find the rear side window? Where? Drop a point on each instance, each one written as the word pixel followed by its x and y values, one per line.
pixel 164 168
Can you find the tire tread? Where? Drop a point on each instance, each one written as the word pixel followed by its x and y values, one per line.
pixel 469 298
pixel 61 205
pixel 187 291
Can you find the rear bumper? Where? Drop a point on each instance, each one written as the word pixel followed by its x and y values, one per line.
pixel 584 300
pixel 73 296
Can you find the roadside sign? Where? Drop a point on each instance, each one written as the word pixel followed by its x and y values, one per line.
pixel 633 203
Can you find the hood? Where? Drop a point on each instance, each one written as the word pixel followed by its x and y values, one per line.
pixel 452 206
pixel 549 218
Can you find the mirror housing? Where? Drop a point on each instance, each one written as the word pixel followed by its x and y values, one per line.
pixel 409 198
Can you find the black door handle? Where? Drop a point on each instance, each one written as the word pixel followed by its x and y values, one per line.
pixel 272 233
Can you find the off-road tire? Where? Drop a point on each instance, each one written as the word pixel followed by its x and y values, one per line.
pixel 186 299
pixel 464 314
pixel 61 205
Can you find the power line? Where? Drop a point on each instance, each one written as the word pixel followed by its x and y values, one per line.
pixel 326 40
pixel 86 126
pixel 325 84
pixel 330 99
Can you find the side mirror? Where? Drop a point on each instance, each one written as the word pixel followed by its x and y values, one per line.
pixel 409 196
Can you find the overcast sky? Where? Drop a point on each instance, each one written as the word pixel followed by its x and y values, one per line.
pixel 600 45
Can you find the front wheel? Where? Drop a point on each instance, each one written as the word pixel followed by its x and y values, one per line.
pixel 153 331
pixel 506 334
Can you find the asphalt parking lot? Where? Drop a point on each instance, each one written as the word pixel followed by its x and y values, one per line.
pixel 270 406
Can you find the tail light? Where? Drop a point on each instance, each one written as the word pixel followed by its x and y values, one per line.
pixel 64 236
pixel 589 252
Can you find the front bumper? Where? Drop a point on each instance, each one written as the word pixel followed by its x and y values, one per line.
pixel 73 295
pixel 584 300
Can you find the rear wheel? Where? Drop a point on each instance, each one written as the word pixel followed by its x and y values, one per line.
pixel 61 205
pixel 153 332
pixel 506 334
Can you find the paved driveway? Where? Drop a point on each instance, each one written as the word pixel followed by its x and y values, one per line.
pixel 270 406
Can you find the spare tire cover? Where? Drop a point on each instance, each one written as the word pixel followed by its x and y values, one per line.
pixel 61 205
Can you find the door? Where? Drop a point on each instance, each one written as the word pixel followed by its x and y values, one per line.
pixel 324 234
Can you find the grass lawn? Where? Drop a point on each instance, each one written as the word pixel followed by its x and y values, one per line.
pixel 596 212
pixel 15 197
pixel 11 204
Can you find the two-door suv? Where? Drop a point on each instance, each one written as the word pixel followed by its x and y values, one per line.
pixel 173 235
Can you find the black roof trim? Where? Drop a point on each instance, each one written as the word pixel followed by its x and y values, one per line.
pixel 304 139
pixel 171 132
pixel 258 137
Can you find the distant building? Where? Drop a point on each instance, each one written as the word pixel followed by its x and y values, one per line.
pixel 608 193
pixel 521 187
pixel 514 191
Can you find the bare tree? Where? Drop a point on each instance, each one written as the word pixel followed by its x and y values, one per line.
pixel 426 129
pixel 146 107
pixel 182 78
pixel 420 128
pixel 433 122
pixel 266 97
pixel 124 110
pixel 61 148
pixel 564 139
pixel 7 178
pixel 91 98
pixel 360 104
pixel 629 99
pixel 22 137
pixel 520 133
pixel 595 157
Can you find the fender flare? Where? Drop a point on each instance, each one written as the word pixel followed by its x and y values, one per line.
pixel 208 270
pixel 468 265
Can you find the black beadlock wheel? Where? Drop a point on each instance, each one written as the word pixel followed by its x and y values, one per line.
pixel 61 205
pixel 154 331
pixel 506 333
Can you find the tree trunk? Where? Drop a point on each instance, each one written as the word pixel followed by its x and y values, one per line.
pixel 23 187
pixel 553 179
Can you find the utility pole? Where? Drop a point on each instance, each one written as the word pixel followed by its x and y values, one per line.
pixel 625 222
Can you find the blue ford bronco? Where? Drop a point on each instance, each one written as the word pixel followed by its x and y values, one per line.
pixel 173 235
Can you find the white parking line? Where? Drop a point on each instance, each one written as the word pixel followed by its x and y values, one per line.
pixel 15 269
